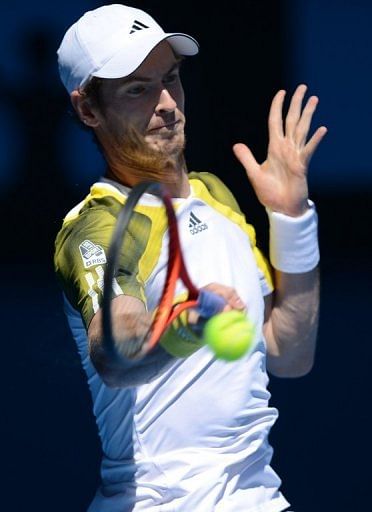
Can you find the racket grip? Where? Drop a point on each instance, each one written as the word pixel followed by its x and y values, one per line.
pixel 209 303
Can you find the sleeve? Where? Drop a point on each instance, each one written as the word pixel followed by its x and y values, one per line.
pixel 218 190
pixel 81 258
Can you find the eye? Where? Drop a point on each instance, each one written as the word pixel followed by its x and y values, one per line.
pixel 136 90
pixel 171 79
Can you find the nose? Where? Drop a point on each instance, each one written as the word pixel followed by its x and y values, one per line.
pixel 166 103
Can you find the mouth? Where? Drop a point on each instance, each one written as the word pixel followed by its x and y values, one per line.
pixel 165 126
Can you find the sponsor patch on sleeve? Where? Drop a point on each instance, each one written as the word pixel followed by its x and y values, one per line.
pixel 92 254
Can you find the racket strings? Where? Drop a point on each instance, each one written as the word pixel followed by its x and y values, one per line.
pixel 146 260
pixel 144 240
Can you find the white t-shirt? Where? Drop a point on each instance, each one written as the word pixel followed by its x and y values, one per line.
pixel 194 439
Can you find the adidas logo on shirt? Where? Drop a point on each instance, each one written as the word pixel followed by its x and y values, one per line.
pixel 196 225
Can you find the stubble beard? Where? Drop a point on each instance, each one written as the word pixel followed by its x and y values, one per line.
pixel 132 157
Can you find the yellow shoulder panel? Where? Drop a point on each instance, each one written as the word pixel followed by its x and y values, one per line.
pixel 148 260
pixel 97 191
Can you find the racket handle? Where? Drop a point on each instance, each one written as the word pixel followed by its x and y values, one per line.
pixel 209 303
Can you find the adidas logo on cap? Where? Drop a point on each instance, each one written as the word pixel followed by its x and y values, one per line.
pixel 137 25
pixel 196 225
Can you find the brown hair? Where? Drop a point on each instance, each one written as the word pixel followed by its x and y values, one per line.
pixel 92 90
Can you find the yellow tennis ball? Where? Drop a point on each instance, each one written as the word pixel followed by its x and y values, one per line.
pixel 229 334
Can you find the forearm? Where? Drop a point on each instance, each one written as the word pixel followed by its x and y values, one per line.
pixel 129 318
pixel 291 325
pixel 291 328
pixel 124 373
pixel 130 321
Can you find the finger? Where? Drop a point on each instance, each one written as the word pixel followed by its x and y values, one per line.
pixel 236 302
pixel 276 115
pixel 246 158
pixel 311 146
pixel 304 123
pixel 294 111
pixel 228 294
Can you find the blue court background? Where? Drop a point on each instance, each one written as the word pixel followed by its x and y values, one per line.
pixel 248 50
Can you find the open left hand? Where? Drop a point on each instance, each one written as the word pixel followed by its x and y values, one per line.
pixel 280 182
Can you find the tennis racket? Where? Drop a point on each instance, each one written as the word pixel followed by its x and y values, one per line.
pixel 121 253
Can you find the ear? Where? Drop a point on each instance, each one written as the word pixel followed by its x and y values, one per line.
pixel 84 110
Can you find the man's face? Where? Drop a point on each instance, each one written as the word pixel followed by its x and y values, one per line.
pixel 151 100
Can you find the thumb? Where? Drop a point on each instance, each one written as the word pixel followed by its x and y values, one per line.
pixel 246 158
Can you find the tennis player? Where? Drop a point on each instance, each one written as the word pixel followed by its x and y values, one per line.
pixel 184 434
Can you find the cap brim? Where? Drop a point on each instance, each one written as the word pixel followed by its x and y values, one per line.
pixel 127 60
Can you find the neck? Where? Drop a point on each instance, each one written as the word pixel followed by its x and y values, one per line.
pixel 174 176
pixel 181 187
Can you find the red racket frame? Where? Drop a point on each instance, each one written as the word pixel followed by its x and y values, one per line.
pixel 166 311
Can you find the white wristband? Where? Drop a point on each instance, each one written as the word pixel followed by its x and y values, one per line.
pixel 294 241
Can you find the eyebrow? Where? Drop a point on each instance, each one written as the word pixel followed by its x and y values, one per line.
pixel 138 78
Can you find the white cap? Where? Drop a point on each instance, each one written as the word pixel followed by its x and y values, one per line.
pixel 112 42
